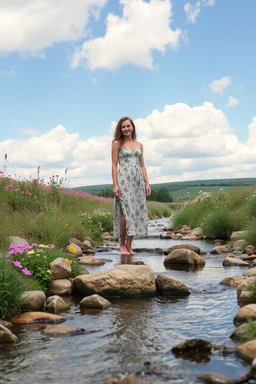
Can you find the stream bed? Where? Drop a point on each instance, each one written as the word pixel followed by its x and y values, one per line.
pixel 136 335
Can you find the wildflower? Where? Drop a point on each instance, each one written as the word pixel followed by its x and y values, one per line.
pixel 26 272
pixel 69 261
pixel 72 249
pixel 17 264
pixel 49 271
pixel 66 225
pixel 30 252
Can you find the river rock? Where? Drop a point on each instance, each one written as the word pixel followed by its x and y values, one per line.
pixel 75 241
pixel 87 244
pixel 248 259
pixel 16 240
pixel 91 260
pixel 76 250
pixel 95 301
pixel 239 245
pixel 233 281
pixel 197 232
pixel 56 304
pixel 251 272
pixel 219 249
pixel 247 351
pixel 239 332
pixel 89 252
pixel 32 300
pixel 191 346
pixel 62 330
pixel 123 280
pixel 250 250
pixel 166 285
pixel 6 324
pixel 6 336
pixel 60 287
pixel 36 317
pixel 231 261
pixel 215 378
pixel 185 257
pixel 60 268
pixel 248 311
pixel 238 235
pixel 191 247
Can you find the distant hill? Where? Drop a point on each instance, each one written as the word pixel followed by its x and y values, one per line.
pixel 184 189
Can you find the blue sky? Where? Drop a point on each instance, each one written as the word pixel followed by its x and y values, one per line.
pixel 183 70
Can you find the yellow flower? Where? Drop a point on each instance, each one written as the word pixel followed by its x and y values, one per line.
pixel 66 225
pixel 69 261
pixel 49 271
pixel 72 248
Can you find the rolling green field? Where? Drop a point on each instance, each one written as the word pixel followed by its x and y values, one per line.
pixel 185 189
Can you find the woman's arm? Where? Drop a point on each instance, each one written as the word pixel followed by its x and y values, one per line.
pixel 144 172
pixel 115 150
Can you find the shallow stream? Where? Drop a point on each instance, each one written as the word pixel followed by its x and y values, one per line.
pixel 135 334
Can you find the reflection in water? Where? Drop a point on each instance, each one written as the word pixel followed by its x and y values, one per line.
pixel 126 259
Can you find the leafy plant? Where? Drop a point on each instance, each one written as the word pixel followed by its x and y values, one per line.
pixel 34 260
pixel 12 285
pixel 99 221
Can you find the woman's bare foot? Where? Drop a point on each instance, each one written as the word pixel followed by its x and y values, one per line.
pixel 124 250
pixel 131 252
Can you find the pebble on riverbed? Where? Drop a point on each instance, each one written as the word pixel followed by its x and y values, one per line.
pixel 6 336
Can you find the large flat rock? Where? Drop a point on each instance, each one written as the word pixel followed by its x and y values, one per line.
pixel 123 280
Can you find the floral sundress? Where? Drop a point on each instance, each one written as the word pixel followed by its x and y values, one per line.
pixel 132 201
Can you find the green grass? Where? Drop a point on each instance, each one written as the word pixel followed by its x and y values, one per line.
pixel 12 285
pixel 157 209
pixel 250 332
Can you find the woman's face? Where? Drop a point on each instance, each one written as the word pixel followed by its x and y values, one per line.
pixel 126 128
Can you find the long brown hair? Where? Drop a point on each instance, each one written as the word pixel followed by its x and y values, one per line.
pixel 118 135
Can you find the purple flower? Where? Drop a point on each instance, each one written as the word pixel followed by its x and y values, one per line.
pixel 26 272
pixel 17 264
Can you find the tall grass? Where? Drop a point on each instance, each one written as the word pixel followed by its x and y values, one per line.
pixel 221 214
pixel 157 209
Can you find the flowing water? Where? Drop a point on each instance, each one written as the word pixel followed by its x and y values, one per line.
pixel 135 335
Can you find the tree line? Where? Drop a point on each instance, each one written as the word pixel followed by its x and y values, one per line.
pixel 161 194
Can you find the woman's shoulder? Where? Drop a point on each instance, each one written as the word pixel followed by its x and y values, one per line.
pixel 116 144
pixel 140 144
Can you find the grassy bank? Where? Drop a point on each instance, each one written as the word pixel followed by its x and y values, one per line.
pixel 47 216
pixel 221 213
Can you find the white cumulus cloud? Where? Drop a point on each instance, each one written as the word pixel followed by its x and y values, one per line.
pixel 131 39
pixel 181 142
pixel 218 86
pixel 232 102
pixel 192 11
pixel 30 26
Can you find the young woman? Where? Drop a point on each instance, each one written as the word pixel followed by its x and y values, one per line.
pixel 130 186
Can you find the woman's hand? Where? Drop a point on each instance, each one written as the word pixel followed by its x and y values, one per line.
pixel 148 190
pixel 116 191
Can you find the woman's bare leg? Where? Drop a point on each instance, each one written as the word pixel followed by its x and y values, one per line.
pixel 129 245
pixel 123 247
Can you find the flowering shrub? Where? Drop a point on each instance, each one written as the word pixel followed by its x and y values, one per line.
pixel 99 221
pixel 34 260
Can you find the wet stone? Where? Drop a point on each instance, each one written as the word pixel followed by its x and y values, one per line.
pixel 197 350
pixel 36 317
pixel 62 330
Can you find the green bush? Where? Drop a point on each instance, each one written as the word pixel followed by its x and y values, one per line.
pixel 34 260
pixel 12 285
pixel 97 222
pixel 251 206
pixel 221 223
pixel 250 235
